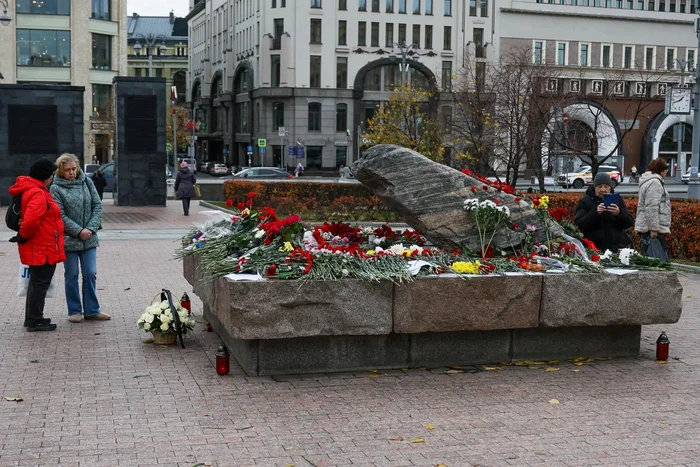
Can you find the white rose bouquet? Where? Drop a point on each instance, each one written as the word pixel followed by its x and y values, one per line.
pixel 159 318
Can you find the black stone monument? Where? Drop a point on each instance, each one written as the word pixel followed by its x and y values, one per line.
pixel 140 156
pixel 37 120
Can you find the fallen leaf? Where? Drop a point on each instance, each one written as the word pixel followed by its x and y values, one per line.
pixel 664 422
pixel 528 362
pixel 289 465
pixel 452 372
pixel 373 376
pixel 440 465
pixel 429 427
pixel 14 399
pixel 398 438
pixel 404 369
pixel 374 371
pixel 661 362
pixel 533 367
pixel 505 363
pixel 490 368
pixel 537 453
pixel 553 362
pixel 455 367
pixel 418 440
pixel 578 363
pixel 575 371
pixel 207 415
pixel 688 296
pixel 553 401
pixel 550 369
pixel 208 463
pixel 289 448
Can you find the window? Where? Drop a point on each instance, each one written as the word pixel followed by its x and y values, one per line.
pixel 690 57
pixel 649 58
pixel 159 72
pixel 681 9
pixel 315 31
pixel 341 155
pixel 416 7
pixel 538 52
pixel 275 71
pixel 448 8
pixel 137 72
pixel 44 48
pixel 342 32
pixel 562 58
pixel 662 5
pixel 279 30
pixel 640 4
pixel 341 72
pixel 343 5
pixel 100 9
pixel 389 6
pixel 484 8
pixel 375 6
pixel 584 57
pixel 362 5
pixel 315 72
pixel 428 7
pixel 374 35
pixel 361 33
pixel 478 39
pixel 389 34
pixel 670 58
pixel 447 76
pixel 606 56
pixel 274 3
pixel 628 56
pixel 314 156
pixel 341 117
pixel 428 36
pixel 314 116
pixel 277 114
pixel 101 52
pixel 402 6
pixel 315 3
pixel 447 38
pixel 651 5
pixel 101 97
pixel 47 7
pixel 472 7
pixel 402 34
pixel 415 39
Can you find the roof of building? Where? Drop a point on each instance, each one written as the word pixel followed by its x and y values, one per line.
pixel 171 28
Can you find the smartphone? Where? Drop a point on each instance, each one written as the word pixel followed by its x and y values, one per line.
pixel 611 198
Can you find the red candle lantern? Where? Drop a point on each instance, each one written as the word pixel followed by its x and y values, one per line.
pixel 186 303
pixel 222 360
pixel 662 344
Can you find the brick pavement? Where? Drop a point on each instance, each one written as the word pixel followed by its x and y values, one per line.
pixel 95 395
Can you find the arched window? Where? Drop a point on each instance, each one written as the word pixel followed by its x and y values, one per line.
pixel 341 117
pixel 315 116
pixel 277 115
pixel 240 84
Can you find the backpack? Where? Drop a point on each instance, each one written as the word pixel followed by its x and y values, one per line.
pixel 13 216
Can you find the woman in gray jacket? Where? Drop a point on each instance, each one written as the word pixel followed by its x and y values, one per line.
pixel 654 206
pixel 81 211
pixel 184 186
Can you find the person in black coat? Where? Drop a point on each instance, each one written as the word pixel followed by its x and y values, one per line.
pixel 98 179
pixel 184 186
pixel 603 226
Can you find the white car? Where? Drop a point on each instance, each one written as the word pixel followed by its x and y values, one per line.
pixel 685 178
pixel 584 176
pixel 219 169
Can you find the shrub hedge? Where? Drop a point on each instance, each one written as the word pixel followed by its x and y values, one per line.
pixel 353 201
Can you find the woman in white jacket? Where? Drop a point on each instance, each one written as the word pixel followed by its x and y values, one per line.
pixel 654 206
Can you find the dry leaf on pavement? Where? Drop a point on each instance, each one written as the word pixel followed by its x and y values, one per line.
pixel 398 438
pixel 551 369
pixel 490 368
pixel 13 399
pixel 553 401
pixel 417 440
pixel 429 427
pixel 451 372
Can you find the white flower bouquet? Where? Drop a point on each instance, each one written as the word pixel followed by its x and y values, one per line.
pixel 158 318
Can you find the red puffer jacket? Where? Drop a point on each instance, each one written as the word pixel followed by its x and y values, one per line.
pixel 41 224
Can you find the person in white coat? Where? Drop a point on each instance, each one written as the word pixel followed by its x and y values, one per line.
pixel 654 205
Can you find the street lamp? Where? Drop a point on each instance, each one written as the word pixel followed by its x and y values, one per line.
pixel 5 19
pixel 693 183
pixel 150 41
pixel 404 52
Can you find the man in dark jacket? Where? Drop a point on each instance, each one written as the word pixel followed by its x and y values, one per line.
pixel 602 225
pixel 184 186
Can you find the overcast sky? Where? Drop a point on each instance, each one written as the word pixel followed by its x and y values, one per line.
pixel 158 7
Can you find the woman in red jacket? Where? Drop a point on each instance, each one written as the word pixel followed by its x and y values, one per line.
pixel 40 239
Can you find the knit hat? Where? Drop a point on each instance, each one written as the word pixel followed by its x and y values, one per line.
pixel 42 169
pixel 602 178
pixel 183 165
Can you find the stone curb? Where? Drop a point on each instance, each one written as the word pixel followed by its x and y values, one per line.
pixel 686 268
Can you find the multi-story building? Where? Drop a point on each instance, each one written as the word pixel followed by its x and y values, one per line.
pixel 73 42
pixel 309 73
pixel 642 44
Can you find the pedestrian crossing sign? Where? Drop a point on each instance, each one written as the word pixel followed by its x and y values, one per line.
pixel 262 143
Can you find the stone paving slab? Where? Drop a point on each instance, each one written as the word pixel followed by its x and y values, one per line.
pixel 95 395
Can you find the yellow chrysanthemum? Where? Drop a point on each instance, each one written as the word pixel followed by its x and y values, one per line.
pixel 369 252
pixel 463 267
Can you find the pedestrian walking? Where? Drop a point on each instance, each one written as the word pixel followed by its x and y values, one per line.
pixel 99 180
pixel 81 210
pixel 654 207
pixel 39 240
pixel 299 171
pixel 184 186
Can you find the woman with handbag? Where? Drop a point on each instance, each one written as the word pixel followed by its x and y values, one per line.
pixel 184 186
pixel 654 210
pixel 81 210
pixel 40 240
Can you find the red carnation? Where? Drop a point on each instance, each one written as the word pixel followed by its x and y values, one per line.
pixel 485 187
pixel 536 201
pixel 473 188
pixel 251 194
pixel 241 206
pixel 229 203
pixel 249 203
pixel 595 258
pixel 517 199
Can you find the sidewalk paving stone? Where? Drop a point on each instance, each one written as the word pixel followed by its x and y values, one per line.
pixel 95 394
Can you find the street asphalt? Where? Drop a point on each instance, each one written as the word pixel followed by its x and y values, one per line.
pixel 94 394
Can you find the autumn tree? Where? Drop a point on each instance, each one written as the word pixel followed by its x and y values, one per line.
pixel 182 134
pixel 405 120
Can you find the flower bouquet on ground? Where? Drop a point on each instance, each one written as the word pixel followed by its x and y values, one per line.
pixel 158 319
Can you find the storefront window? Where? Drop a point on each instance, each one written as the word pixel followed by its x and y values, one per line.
pixel 45 48
pixel 44 7
pixel 101 52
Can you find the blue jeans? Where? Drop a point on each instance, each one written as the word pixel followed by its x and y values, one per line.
pixel 88 266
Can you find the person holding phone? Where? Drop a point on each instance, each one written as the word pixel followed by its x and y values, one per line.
pixel 602 219
pixel 654 206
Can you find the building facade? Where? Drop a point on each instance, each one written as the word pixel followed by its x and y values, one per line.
pixel 47 42
pixel 637 48
pixel 305 76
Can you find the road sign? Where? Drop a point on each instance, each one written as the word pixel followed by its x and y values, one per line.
pixel 250 149
pixel 262 143
pixel 300 152
pixel 281 131
pixel 261 149
pixel 292 150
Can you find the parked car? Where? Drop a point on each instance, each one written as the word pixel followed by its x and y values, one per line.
pixel 90 168
pixel 219 169
pixel 685 178
pixel 234 169
pixel 108 172
pixel 207 167
pixel 263 172
pixel 584 176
